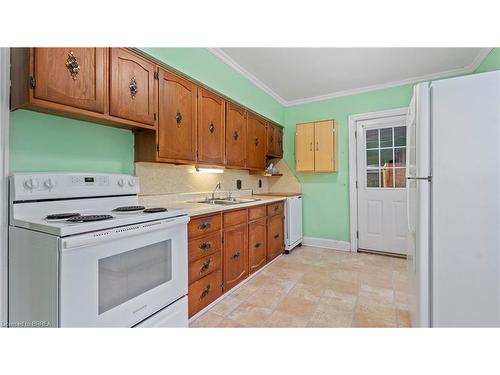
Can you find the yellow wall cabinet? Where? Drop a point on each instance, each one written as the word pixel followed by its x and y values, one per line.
pixel 316 147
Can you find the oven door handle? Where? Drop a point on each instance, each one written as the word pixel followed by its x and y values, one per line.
pixel 114 234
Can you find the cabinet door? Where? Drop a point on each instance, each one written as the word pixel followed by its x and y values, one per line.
pixel 256 142
pixel 270 139
pixel 132 87
pixel 324 160
pixel 176 117
pixel 236 133
pixel 278 144
pixel 71 76
pixel 235 256
pixel 275 240
pixel 257 245
pixel 304 147
pixel 211 123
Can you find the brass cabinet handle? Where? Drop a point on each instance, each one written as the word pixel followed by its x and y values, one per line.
pixel 133 87
pixel 317 146
pixel 211 127
pixel 257 245
pixel 235 135
pixel 204 226
pixel 205 291
pixel 276 235
pixel 178 119
pixel 256 142
pixel 205 245
pixel 310 146
pixel 72 65
pixel 236 254
pixel 205 266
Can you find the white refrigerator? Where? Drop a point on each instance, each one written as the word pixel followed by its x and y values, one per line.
pixel 453 198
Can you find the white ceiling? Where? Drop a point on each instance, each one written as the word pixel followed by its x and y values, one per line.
pixel 300 75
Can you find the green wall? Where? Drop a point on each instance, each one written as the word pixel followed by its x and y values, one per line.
pixel 491 62
pixel 40 142
pixel 326 195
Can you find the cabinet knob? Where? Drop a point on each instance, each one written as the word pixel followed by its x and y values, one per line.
pixel 256 142
pixel 276 235
pixel 205 245
pixel 257 245
pixel 205 266
pixel 205 291
pixel 72 65
pixel 211 127
pixel 133 87
pixel 204 226
pixel 178 119
pixel 236 254
pixel 235 135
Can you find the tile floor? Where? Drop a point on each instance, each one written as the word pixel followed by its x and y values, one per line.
pixel 313 287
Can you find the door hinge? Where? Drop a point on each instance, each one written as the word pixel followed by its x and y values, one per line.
pixel 356 184
pixel 32 82
pixel 154 116
pixel 357 234
pixel 196 154
pixel 222 239
pixel 355 134
pixel 158 147
pixel 156 75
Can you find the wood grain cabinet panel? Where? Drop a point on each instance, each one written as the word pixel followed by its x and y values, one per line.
pixel 204 291
pixel 278 135
pixel 71 76
pixel 203 246
pixel 256 142
pixel 235 217
pixel 176 118
pixel 325 150
pixel 235 256
pixel 255 213
pixel 211 128
pixel 132 87
pixel 257 245
pixel 236 134
pixel 276 208
pixel 204 266
pixel 201 225
pixel 304 147
pixel 275 239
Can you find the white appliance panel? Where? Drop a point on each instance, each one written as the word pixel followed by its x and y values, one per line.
pixel 173 316
pixel 293 222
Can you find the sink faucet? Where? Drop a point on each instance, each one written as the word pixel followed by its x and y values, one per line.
pixel 218 186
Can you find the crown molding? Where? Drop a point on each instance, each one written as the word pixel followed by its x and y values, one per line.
pixel 470 68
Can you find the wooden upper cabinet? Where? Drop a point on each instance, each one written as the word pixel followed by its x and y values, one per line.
pixel 176 118
pixel 71 76
pixel 316 146
pixel 274 141
pixel 211 127
pixel 236 134
pixel 304 147
pixel 278 135
pixel 132 87
pixel 256 142
pixel 324 151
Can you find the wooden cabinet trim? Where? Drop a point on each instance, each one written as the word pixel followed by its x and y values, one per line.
pixel 211 130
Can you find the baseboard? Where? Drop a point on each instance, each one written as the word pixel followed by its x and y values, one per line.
pixel 326 243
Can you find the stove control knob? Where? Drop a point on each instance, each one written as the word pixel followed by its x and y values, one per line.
pixel 30 183
pixel 49 183
pixel 121 182
pixel 131 182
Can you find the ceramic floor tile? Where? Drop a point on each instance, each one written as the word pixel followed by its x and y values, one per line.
pixel 279 319
pixel 207 320
pixel 308 292
pixel 266 298
pixel 226 305
pixel 229 323
pixel 342 301
pixel 330 316
pixel 250 315
pixel 374 316
pixel 301 308
pixel 403 318
pixel 370 295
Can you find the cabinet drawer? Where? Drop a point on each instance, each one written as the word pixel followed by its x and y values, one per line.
pixel 204 224
pixel 204 291
pixel 204 246
pixel 255 213
pixel 235 217
pixel 275 208
pixel 204 266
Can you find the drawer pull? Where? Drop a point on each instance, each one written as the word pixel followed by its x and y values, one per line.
pixel 276 235
pixel 204 226
pixel 205 266
pixel 205 246
pixel 205 292
pixel 236 254
pixel 257 245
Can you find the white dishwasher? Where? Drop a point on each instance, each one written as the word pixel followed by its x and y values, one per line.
pixel 293 222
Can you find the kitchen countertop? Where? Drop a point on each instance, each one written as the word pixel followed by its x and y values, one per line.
pixel 195 209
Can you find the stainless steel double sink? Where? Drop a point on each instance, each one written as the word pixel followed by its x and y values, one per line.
pixel 227 201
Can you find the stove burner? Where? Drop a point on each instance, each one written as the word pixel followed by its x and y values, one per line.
pixel 64 215
pixel 87 218
pixel 129 208
pixel 154 210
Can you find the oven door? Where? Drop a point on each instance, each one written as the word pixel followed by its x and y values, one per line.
pixel 118 277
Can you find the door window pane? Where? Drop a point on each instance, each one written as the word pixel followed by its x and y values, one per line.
pixel 373 178
pixel 386 157
pixel 372 138
pixel 386 137
pixel 372 159
pixel 400 136
pixel 388 177
pixel 400 157
pixel 127 275
pixel 400 177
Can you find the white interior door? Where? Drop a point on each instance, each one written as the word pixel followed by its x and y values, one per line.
pixel 381 162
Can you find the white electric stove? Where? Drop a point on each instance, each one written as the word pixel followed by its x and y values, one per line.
pixel 84 253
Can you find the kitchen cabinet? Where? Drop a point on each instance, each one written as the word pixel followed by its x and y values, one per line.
pixel 257 244
pixel 236 135
pixel 275 231
pixel 133 88
pixel 274 141
pixel 256 142
pixel 235 252
pixel 211 128
pixel 204 291
pixel 316 147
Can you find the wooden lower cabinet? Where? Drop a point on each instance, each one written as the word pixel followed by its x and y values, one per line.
pixel 235 251
pixel 257 245
pixel 275 241
pixel 225 248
